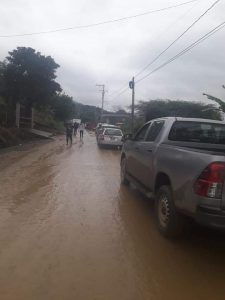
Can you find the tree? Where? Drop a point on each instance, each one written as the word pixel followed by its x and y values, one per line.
pixel 2 66
pixel 4 107
pixel 88 113
pixel 167 108
pixel 30 77
pixel 63 106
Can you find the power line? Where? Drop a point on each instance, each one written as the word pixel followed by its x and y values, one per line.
pixel 97 24
pixel 158 56
pixel 181 53
pixel 120 90
pixel 178 38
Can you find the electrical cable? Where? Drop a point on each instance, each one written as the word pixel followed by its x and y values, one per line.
pixel 122 92
pixel 181 53
pixel 157 57
pixel 97 24
pixel 118 91
pixel 178 38
pixel 162 34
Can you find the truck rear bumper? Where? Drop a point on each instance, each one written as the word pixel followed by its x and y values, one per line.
pixel 211 217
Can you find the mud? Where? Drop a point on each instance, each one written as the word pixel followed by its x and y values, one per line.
pixel 68 230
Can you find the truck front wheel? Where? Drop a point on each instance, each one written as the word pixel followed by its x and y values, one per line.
pixel 123 172
pixel 169 221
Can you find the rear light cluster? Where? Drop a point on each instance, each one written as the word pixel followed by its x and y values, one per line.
pixel 210 182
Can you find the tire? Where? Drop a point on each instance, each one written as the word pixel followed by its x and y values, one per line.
pixel 170 223
pixel 123 173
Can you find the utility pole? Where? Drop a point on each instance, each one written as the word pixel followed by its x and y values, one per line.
pixel 103 97
pixel 132 87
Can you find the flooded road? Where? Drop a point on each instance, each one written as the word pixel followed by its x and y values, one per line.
pixel 68 230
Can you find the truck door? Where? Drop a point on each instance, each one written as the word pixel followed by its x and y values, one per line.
pixel 133 148
pixel 145 152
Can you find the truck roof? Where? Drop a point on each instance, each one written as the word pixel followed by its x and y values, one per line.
pixel 189 120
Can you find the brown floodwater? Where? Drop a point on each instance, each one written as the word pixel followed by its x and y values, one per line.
pixel 68 230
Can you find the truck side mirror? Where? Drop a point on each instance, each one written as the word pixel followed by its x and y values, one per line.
pixel 128 136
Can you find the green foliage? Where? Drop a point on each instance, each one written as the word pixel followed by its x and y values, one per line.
pixel 7 109
pixel 88 113
pixel 88 116
pixel 2 83
pixel 3 111
pixel 63 107
pixel 2 101
pixel 29 77
pixel 45 120
pixel 167 108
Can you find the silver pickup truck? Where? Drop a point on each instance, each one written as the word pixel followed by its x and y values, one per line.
pixel 181 162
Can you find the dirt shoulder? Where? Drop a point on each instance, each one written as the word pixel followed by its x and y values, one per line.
pixel 11 155
pixel 14 136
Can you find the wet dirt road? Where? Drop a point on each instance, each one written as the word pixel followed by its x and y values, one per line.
pixel 68 230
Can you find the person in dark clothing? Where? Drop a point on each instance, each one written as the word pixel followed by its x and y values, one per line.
pixel 69 133
pixel 75 127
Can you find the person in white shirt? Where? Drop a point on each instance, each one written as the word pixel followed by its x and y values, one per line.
pixel 81 129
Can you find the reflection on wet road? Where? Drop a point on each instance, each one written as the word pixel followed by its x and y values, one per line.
pixel 68 230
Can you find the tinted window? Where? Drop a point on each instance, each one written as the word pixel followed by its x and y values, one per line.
pixel 141 133
pixel 198 132
pixel 112 131
pixel 154 130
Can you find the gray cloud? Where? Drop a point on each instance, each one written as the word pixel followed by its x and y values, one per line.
pixel 113 53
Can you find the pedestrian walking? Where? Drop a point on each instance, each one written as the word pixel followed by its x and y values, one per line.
pixel 75 127
pixel 69 133
pixel 81 129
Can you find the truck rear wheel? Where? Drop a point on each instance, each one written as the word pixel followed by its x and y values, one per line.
pixel 169 221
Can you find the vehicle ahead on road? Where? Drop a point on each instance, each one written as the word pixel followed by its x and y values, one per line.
pixel 181 162
pixel 101 126
pixel 110 137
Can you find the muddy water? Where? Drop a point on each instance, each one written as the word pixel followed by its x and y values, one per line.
pixel 68 230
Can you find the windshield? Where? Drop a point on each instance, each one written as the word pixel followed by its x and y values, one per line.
pixel 198 132
pixel 112 131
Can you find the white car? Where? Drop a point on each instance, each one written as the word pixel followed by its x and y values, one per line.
pixel 110 137
pixel 102 126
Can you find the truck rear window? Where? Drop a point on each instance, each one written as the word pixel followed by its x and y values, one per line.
pixel 198 132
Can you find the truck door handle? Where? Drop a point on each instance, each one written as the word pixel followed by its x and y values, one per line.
pixel 149 150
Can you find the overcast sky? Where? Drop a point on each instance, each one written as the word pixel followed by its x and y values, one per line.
pixel 111 54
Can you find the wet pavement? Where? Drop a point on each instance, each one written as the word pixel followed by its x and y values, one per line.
pixel 68 230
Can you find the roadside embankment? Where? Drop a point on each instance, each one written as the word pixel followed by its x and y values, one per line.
pixel 14 136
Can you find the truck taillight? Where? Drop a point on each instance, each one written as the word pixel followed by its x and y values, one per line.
pixel 210 182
